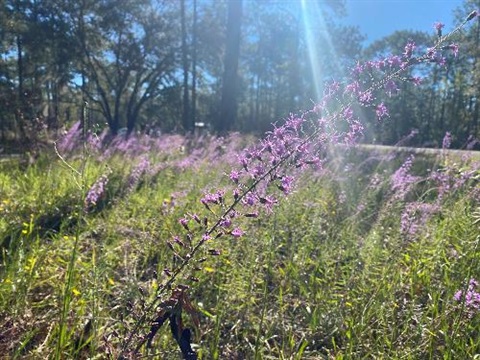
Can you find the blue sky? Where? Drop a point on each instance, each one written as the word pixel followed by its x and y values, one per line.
pixel 378 18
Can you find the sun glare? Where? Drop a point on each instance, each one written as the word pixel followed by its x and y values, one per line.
pixel 314 25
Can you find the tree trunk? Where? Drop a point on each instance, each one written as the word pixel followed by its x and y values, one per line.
pixel 229 101
pixel 194 65
pixel 187 126
pixel 20 108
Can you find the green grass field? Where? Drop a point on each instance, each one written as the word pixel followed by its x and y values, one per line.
pixel 345 267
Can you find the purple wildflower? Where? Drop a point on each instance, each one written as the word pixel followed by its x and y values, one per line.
pixel 196 218
pixel 394 61
pixel 234 176
pixel 435 57
pixel 470 298
pixel 257 171
pixel 440 60
pixel 213 198
pixel 249 199
pixel 70 140
pixel 184 223
pixel 226 222
pixel 286 184
pixel 402 181
pixel 237 232
pixel 358 69
pixel 300 142
pixel 354 132
pixel 438 26
pixel 409 48
pixel 447 140
pixel 137 173
pixel 331 90
pixel 236 193
pixel 415 216
pixel 365 97
pixel 360 207
pixel 96 192
pixel 295 122
pixel 381 111
pixel 442 180
pixel 244 161
pixel 353 88
pixel 454 48
pixel 176 240
pixel 268 202
pixel 391 88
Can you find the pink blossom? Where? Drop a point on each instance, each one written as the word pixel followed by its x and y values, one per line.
pixel 237 232
pixel 381 111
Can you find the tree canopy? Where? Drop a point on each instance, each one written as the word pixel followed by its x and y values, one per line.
pixel 229 65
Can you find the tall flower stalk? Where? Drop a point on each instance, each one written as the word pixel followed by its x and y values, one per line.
pixel 267 170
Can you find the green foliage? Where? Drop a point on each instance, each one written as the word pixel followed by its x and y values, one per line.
pixel 133 65
pixel 319 277
pixel 445 101
pixel 123 64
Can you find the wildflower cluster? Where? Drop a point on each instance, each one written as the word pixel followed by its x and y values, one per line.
pixel 443 182
pixel 96 193
pixel 71 138
pixel 402 181
pixel 415 216
pixel 385 73
pixel 452 177
pixel 142 168
pixel 268 169
pixel 469 298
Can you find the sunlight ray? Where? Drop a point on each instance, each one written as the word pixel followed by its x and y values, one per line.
pixel 314 24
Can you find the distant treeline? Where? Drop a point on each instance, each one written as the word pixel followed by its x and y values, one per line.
pixel 138 65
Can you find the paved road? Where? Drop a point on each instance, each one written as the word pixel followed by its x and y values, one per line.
pixel 475 155
pixel 10 157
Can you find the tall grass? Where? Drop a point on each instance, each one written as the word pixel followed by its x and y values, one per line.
pixel 368 256
pixel 322 277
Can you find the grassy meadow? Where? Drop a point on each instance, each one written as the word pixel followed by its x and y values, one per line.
pixel 374 256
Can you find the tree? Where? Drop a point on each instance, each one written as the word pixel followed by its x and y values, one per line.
pixel 194 63
pixel 446 99
pixel 35 70
pixel 129 56
pixel 410 107
pixel 289 52
pixel 186 118
pixel 467 76
pixel 156 62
